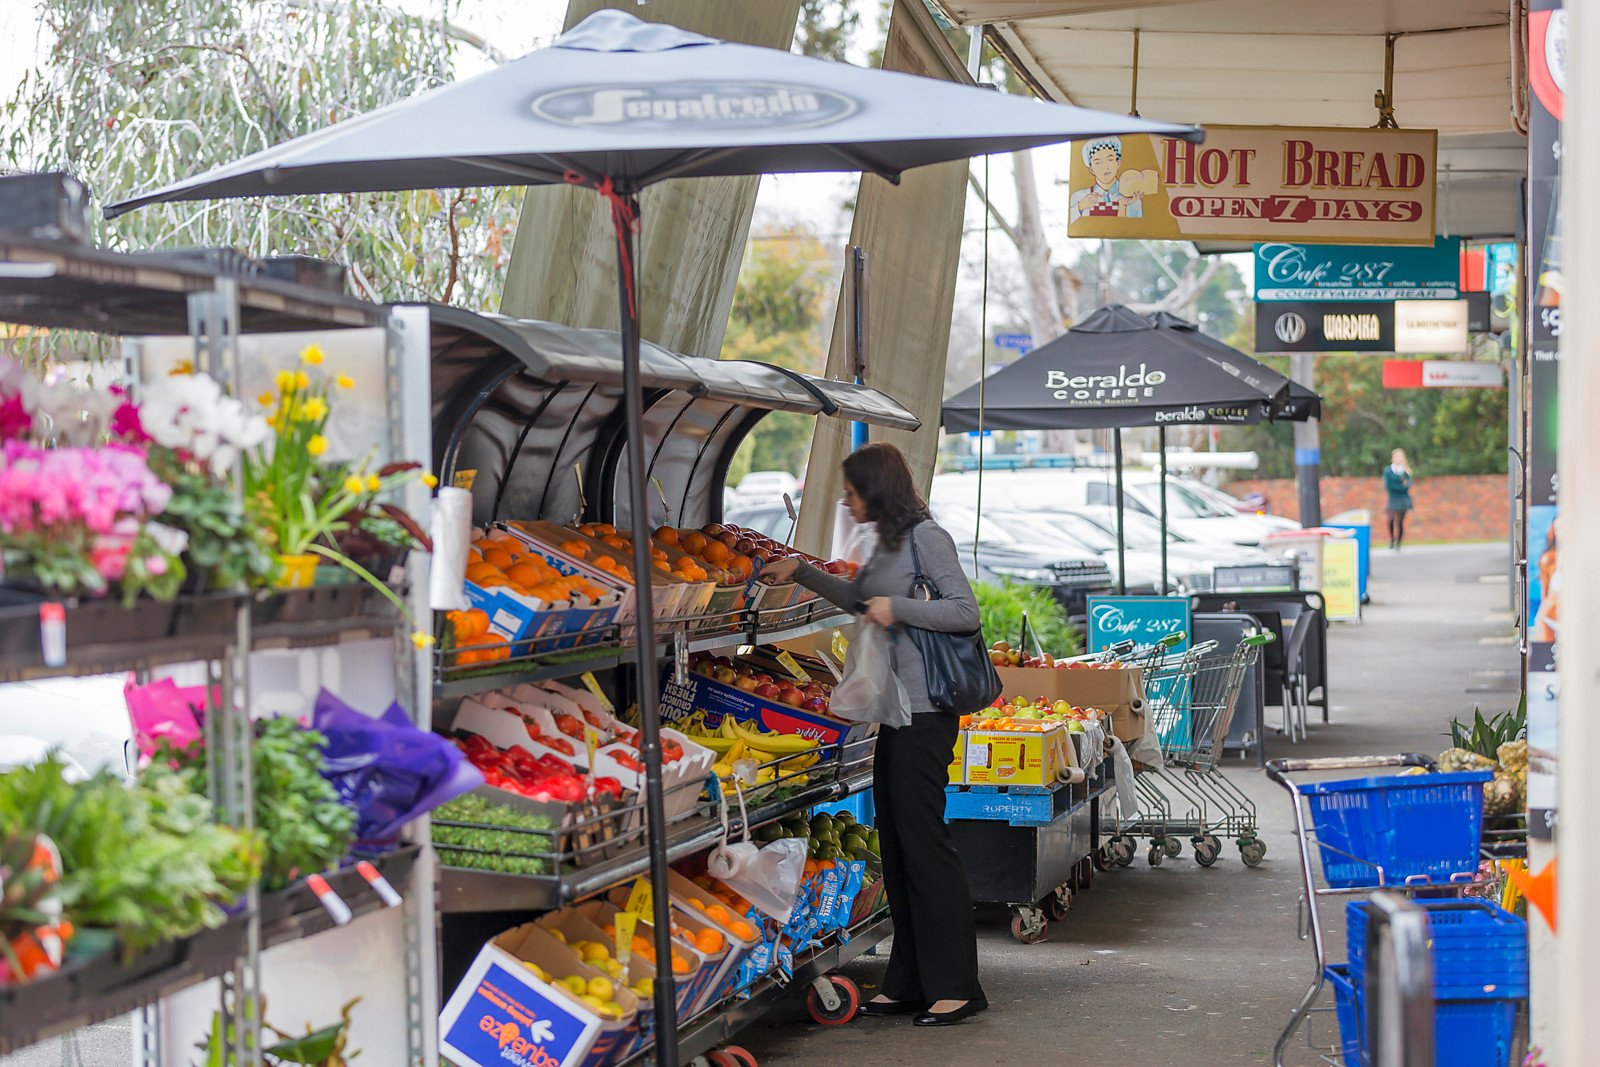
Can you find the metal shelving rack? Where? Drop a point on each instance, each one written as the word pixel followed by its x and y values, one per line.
pixel 64 286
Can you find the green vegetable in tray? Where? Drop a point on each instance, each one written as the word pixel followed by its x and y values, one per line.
pixel 305 826
pixel 146 860
pixel 499 839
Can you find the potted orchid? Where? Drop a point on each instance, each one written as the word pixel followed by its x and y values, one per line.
pixel 310 505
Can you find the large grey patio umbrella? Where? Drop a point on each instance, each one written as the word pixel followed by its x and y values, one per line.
pixel 617 104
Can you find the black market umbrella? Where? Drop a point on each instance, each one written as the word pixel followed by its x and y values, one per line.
pixel 1119 369
pixel 616 104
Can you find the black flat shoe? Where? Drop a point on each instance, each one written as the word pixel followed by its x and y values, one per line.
pixel 893 1007
pixel 950 1018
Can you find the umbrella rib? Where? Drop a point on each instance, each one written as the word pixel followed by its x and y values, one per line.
pixel 518 170
pixel 859 161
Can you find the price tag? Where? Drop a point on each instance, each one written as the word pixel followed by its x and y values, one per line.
pixel 53 634
pixel 625 923
pixel 840 646
pixel 380 885
pixel 641 900
pixel 592 683
pixel 787 662
pixel 591 741
pixel 331 902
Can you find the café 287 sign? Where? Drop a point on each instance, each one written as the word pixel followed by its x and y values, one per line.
pixel 1257 183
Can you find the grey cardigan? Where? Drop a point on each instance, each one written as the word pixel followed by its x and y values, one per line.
pixel 889 573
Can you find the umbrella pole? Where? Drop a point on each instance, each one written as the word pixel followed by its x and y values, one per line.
pixel 1161 439
pixel 1122 539
pixel 625 213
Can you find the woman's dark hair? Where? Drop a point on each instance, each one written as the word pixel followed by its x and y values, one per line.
pixel 882 478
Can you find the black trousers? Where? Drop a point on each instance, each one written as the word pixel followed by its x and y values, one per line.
pixel 935 952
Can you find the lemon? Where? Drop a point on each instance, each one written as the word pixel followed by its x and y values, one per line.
pixel 594 951
pixel 602 988
pixel 558 935
pixel 577 984
pixel 645 987
pixel 543 975
pixel 593 1002
pixel 612 1009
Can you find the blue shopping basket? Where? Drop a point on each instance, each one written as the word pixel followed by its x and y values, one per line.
pixel 1398 828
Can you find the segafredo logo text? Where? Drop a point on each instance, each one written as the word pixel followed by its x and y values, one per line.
pixel 1123 385
pixel 707 105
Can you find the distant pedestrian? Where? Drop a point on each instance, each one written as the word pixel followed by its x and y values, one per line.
pixel 1397 483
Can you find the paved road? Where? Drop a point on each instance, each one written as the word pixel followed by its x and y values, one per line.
pixel 1175 965
pixel 1180 965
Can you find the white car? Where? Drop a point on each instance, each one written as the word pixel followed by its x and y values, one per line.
pixel 1189 512
pixel 1196 559
pixel 1143 565
pixel 766 487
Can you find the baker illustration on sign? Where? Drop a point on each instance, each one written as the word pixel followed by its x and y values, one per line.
pixel 1111 196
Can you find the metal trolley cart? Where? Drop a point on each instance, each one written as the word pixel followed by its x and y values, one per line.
pixel 1030 848
pixel 1190 698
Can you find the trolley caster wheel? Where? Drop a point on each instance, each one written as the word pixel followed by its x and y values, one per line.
pixel 833 1000
pixel 1085 873
pixel 1174 847
pixel 1122 850
pixel 1155 855
pixel 1029 926
pixel 731 1056
pixel 1253 852
pixel 1059 903
pixel 1205 853
pixel 1213 840
pixel 1105 857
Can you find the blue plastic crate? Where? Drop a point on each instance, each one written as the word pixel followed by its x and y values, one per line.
pixel 1479 949
pixel 1466 1033
pixel 1408 825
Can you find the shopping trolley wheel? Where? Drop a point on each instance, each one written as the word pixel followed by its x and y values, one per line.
pixel 1205 853
pixel 1105 857
pixel 731 1056
pixel 1253 852
pixel 1155 855
pixel 1059 902
pixel 833 1000
pixel 1174 847
pixel 1029 926
pixel 1123 851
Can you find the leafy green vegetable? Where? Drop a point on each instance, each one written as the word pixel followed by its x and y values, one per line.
pixel 145 860
pixel 304 825
pixel 505 850
pixel 1002 606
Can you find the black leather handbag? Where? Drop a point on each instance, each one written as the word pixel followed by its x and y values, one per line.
pixel 961 677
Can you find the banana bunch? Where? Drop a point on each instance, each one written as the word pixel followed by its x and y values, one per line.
pixel 735 741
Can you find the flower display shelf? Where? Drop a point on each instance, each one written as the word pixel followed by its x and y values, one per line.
pixel 294 912
pixel 102 634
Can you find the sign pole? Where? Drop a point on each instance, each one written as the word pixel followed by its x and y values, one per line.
pixel 1161 438
pixel 1122 537
pixel 1307 447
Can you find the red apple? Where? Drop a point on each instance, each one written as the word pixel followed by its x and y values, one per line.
pixel 744 546
pixel 836 566
pixel 728 537
pixel 712 529
pixel 766 690
pixel 814 704
pixel 744 670
pixel 747 683
pixel 793 697
pixel 724 675
pixel 762 678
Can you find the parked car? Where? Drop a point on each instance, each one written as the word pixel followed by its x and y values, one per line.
pixel 766 487
pixel 1197 559
pixel 769 520
pixel 1190 512
pixel 1143 566
pixel 1071 573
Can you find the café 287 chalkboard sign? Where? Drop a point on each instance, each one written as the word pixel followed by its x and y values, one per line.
pixel 1144 620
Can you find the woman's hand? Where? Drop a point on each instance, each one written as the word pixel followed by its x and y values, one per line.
pixel 780 571
pixel 880 609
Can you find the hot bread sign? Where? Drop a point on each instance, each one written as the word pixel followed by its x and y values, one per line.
pixel 1258 183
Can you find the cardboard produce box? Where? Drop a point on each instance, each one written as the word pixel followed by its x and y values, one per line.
pixel 1118 691
pixel 717 700
pixel 1011 757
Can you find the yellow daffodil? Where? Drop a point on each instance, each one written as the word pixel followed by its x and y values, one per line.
pixel 180 368
pixel 266 399
pixel 286 380
pixel 311 356
pixel 421 639
pixel 374 483
pixel 430 481
pixel 302 380
pixel 313 409
pixel 354 486
pixel 345 381
pixel 317 445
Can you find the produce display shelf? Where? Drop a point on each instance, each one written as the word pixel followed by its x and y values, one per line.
pixel 463 891
pixel 96 990
pixel 716 1024
pixel 294 913
pixel 538 668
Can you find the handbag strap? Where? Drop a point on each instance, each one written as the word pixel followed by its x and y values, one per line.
pixel 918 578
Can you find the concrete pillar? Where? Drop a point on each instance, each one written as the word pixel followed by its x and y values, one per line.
pixel 693 231
pixel 1578 969
pixel 912 236
pixel 1307 446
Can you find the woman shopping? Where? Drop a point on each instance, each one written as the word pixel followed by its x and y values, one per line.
pixel 1397 484
pixel 933 966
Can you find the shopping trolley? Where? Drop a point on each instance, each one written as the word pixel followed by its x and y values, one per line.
pixel 1404 833
pixel 1190 696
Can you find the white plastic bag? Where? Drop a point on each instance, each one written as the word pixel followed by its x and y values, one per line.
pixel 1127 798
pixel 768 876
pixel 870 691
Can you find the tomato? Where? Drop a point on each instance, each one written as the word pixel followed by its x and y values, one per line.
pixel 570 725
pixel 608 784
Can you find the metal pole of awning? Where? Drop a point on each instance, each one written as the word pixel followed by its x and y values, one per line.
pixel 856 275
pixel 1161 438
pixel 1122 535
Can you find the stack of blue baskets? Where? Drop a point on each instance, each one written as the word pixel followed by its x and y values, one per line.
pixel 1425 826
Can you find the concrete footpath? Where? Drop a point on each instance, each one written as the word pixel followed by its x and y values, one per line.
pixel 1180 965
